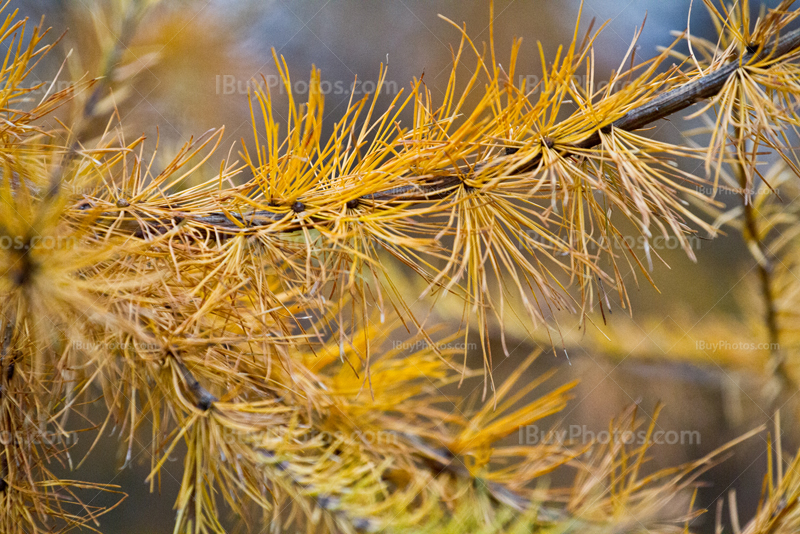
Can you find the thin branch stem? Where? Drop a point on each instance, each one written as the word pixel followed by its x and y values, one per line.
pixel 203 399
pixel 752 237
pixel 660 107
pixel 89 112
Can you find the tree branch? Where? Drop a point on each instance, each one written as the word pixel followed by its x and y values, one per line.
pixel 660 107
pixel 703 88
pixel 131 21
pixel 202 397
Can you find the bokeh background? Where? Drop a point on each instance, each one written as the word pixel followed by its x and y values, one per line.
pixel 196 59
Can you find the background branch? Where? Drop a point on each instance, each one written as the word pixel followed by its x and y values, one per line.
pixel 438 187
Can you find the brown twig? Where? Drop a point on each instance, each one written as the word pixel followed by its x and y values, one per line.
pixel 752 235
pixel 659 108
pixel 203 399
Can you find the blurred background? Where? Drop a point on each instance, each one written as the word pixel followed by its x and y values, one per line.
pixel 197 60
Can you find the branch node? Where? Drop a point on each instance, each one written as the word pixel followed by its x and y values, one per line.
pixel 204 400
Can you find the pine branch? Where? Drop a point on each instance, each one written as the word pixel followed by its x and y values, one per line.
pixel 203 399
pixel 703 88
pixel 764 267
pixel 439 187
pixel 240 316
